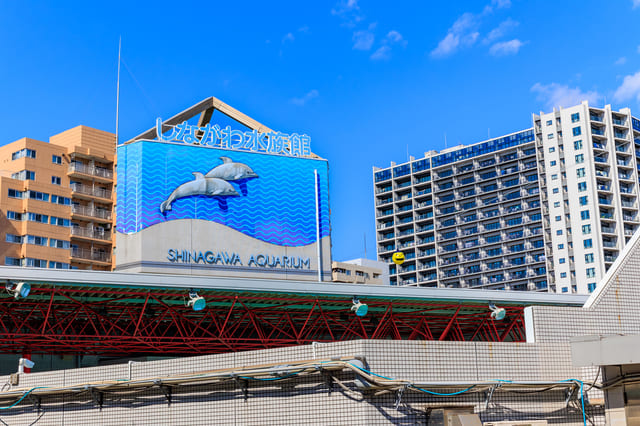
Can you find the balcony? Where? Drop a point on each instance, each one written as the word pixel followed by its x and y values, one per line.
pixel 86 254
pixel 610 244
pixel 598 145
pixel 92 233
pixel 80 190
pixel 619 121
pixel 100 214
pixel 82 170
pixel 596 131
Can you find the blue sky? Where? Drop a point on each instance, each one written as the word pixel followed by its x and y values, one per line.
pixel 369 81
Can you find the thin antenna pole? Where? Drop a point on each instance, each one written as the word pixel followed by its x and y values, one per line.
pixel 118 89
pixel 364 236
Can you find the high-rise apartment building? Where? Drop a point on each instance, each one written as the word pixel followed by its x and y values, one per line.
pixel 57 201
pixel 548 208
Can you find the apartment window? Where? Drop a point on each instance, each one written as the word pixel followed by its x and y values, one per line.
pixel 559 232
pixel 591 287
pixel 554 177
pixel 35 263
pixel 494 252
pixel 493 239
pixel 584 214
pixel 15 215
pixel 24 175
pixel 556 190
pixel 550 136
pixel 565 289
pixel 558 218
pixel 591 272
pixel 588 258
pixel 55 180
pixel 549 122
pixel 562 260
pixel 514 221
pixel 580 172
pixel 25 152
pixel 37 195
pixel 60 221
pixel 552 163
pixel 575 117
pixel 57 199
pixel 12 261
pixel 61 265
pixel 36 240
pixel 37 217
pixel 584 200
pixel 14 193
pixel 556 204
pixel 577 131
pixel 62 244
pixel 493 225
pixel 516 248
pixel 588 243
pixel 577 144
pixel 582 186
pixel 16 239
pixel 560 246
pixel 586 229
pixel 563 275
pixel 56 159
pixel 580 158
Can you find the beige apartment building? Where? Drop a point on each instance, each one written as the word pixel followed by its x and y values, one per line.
pixel 57 201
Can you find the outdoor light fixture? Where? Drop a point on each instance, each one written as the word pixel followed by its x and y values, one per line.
pixel 196 302
pixel 24 363
pixel 497 313
pixel 19 290
pixel 359 308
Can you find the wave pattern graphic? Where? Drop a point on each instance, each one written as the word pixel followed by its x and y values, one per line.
pixel 278 208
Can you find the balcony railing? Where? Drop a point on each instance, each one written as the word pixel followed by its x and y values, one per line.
pixel 90 233
pixel 87 254
pixel 88 211
pixel 87 190
pixel 90 170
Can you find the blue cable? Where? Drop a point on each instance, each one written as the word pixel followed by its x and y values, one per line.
pixel 442 394
pixel 23 397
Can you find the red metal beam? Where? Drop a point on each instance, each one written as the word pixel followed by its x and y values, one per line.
pixel 126 322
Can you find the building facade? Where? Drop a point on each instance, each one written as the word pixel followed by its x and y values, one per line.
pixel 360 271
pixel 547 208
pixel 211 191
pixel 57 201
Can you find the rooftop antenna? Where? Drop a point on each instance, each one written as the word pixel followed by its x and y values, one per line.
pixel 118 89
pixel 364 237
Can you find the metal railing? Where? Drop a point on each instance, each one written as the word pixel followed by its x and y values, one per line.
pixel 96 192
pixel 87 254
pixel 91 233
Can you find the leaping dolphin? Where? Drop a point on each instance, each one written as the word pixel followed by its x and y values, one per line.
pixel 201 185
pixel 229 170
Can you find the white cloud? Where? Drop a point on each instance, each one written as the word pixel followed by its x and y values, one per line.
pixel 304 29
pixel 501 30
pixel 505 4
pixel 621 61
pixel 348 11
pixel 289 37
pixel 560 95
pixel 383 53
pixel 312 94
pixel 363 40
pixel 636 3
pixel 504 48
pixel 461 33
pixel 639 48
pixel 395 37
pixel 629 89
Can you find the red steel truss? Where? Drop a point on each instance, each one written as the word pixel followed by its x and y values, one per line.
pixel 119 321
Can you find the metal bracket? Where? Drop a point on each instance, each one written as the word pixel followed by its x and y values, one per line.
pixel 244 386
pixel 98 397
pixel 569 395
pixel 328 380
pixel 37 402
pixel 167 391
pixel 490 395
pixel 399 396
